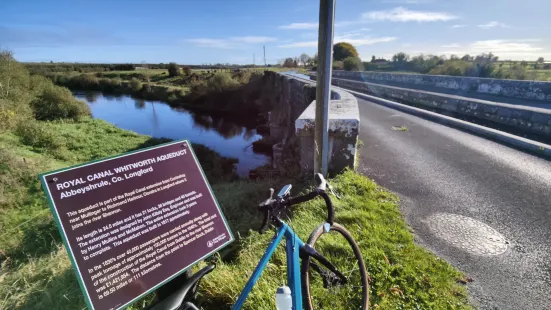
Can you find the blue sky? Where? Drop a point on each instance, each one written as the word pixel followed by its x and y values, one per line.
pixel 231 31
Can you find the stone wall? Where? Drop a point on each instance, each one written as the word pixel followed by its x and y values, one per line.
pixel 536 121
pixel 533 90
pixel 292 123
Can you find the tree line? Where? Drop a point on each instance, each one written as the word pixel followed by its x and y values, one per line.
pixel 346 57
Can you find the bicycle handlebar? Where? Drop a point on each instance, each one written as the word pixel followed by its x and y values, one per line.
pixel 272 207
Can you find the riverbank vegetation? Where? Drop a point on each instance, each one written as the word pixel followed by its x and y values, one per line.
pixel 194 90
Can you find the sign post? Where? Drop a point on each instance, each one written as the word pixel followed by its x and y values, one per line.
pixel 133 222
pixel 323 85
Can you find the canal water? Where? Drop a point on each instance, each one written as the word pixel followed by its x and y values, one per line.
pixel 158 119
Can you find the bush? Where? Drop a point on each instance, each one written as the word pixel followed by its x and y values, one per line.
pixel 516 72
pixel 338 65
pixel 11 114
pixel 39 83
pixel 135 84
pixel 116 82
pixel 105 84
pixel 187 70
pixel 37 135
pixel 455 68
pixel 243 77
pixel 174 69
pixel 352 64
pixel 87 81
pixel 198 86
pixel 58 103
pixel 221 81
pixel 63 80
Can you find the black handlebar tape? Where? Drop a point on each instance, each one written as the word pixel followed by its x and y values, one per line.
pixel 330 209
pixel 304 198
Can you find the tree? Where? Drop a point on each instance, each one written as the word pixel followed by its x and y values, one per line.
pixel 540 60
pixel 352 64
pixel 344 50
pixel 288 63
pixel 14 78
pixel 400 58
pixel 373 58
pixel 174 69
pixel 314 59
pixel 467 57
pixel 304 59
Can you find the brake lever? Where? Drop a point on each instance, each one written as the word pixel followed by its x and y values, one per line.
pixel 265 208
pixel 268 201
pixel 265 222
pixel 332 191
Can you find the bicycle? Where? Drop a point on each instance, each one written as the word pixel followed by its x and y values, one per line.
pixel 317 274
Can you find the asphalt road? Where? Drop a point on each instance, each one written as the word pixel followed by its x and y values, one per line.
pixel 439 173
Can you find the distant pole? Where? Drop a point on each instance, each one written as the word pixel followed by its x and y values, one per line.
pixel 323 85
pixel 264 47
pixel 254 59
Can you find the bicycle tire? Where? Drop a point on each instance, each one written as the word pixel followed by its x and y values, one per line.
pixel 314 238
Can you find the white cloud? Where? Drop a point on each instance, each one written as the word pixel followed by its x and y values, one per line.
pixel 504 46
pixel 493 24
pixel 358 41
pixel 401 14
pixel 353 33
pixel 300 26
pixel 458 26
pixel 300 44
pixel 253 39
pixel 349 23
pixel 230 43
pixel 522 49
pixel 365 40
pixel 453 45
pixel 214 43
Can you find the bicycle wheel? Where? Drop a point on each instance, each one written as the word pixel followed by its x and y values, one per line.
pixel 321 288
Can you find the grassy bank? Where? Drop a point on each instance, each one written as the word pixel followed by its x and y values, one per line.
pixel 35 271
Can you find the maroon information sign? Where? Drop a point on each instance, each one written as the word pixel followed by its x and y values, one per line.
pixel 132 222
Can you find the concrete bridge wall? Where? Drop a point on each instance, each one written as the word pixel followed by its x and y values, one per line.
pixel 292 120
pixel 525 119
pixel 532 90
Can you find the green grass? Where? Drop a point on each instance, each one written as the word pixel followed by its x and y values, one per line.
pixel 36 272
pixel 403 275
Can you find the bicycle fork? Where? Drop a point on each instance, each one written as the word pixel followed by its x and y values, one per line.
pixel 293 247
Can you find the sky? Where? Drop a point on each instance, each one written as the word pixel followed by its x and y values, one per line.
pixel 232 31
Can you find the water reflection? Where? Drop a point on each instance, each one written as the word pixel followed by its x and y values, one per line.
pixel 139 103
pixel 91 97
pixel 157 119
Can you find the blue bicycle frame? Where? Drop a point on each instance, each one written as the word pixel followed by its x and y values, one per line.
pixel 292 248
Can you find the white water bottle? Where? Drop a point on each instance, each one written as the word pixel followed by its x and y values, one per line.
pixel 284 301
